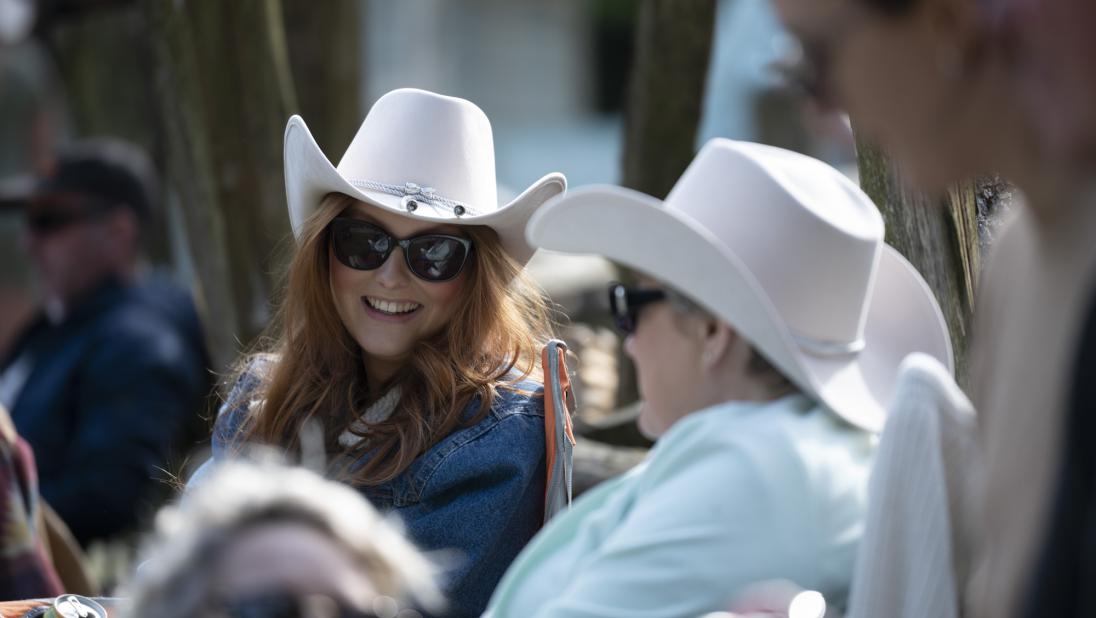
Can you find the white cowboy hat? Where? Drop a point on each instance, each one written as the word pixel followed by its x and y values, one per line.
pixel 786 250
pixel 419 154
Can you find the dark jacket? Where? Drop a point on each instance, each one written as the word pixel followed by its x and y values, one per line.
pixel 115 393
pixel 1066 566
pixel 478 493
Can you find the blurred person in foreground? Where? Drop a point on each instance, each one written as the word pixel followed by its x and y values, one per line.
pixel 953 88
pixel 108 382
pixel 1057 83
pixel 261 539
pixel 767 329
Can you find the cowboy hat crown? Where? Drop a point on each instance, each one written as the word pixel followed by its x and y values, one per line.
pixel 812 212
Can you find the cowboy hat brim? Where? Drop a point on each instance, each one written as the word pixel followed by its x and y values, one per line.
pixel 902 316
pixel 310 175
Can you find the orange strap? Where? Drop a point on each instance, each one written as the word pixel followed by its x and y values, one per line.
pixel 552 407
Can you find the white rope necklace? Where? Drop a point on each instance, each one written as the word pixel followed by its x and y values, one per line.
pixel 379 412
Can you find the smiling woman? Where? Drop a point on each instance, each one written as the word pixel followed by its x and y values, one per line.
pixel 408 332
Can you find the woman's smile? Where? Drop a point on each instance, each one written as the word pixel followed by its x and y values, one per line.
pixel 390 311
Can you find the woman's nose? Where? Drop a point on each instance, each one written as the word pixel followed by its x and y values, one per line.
pixel 393 272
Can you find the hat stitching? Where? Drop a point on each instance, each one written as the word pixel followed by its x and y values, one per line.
pixel 420 193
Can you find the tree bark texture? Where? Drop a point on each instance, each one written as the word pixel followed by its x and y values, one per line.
pixel 325 56
pixel 103 57
pixel 672 51
pixel 673 43
pixel 939 236
pixel 224 93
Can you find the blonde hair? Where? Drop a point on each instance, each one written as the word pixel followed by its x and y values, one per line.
pixel 193 534
pixel 493 339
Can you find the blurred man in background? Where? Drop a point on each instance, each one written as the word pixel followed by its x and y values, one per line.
pixel 108 381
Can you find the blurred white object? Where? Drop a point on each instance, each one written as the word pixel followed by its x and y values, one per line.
pixel 16 20
pixel 911 559
pixel 807 604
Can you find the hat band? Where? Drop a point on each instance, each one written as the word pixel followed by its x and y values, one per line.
pixel 829 348
pixel 415 193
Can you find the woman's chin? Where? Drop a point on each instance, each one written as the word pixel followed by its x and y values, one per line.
pixel 389 353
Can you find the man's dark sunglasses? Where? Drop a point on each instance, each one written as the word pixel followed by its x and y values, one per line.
pixel 45 217
pixel 625 304
pixel 364 246
pixel 286 605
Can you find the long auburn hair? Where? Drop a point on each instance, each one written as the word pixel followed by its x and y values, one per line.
pixel 313 369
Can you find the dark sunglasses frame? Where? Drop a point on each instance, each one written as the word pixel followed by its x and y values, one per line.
pixel 625 303
pixel 345 223
pixel 42 221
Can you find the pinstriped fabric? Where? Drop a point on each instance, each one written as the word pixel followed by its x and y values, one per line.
pixel 913 558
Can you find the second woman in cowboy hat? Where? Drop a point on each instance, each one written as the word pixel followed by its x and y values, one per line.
pixel 767 330
pixel 408 334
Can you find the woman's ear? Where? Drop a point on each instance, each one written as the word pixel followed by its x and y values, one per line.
pixel 716 343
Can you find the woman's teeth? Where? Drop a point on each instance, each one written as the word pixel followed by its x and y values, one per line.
pixel 387 306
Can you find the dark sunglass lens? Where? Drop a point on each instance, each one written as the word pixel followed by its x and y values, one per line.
pixel 625 323
pixel 265 606
pixel 46 222
pixel 618 308
pixel 360 245
pixel 436 258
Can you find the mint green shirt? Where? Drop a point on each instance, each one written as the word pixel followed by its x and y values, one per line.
pixel 731 495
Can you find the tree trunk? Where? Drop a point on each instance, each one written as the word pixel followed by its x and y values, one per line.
pixel 940 237
pixel 325 55
pixel 103 56
pixel 673 42
pixel 224 95
pixel 673 47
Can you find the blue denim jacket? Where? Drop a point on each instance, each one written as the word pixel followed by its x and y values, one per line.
pixel 479 491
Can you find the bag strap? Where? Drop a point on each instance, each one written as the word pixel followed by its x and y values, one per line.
pixel 559 401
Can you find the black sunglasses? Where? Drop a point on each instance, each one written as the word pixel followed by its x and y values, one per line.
pixel 286 605
pixel 45 217
pixel 364 246
pixel 625 304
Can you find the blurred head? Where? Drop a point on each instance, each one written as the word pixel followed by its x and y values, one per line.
pixel 464 338
pixel 687 360
pixel 1057 74
pixel 83 219
pixel 263 539
pixel 927 79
